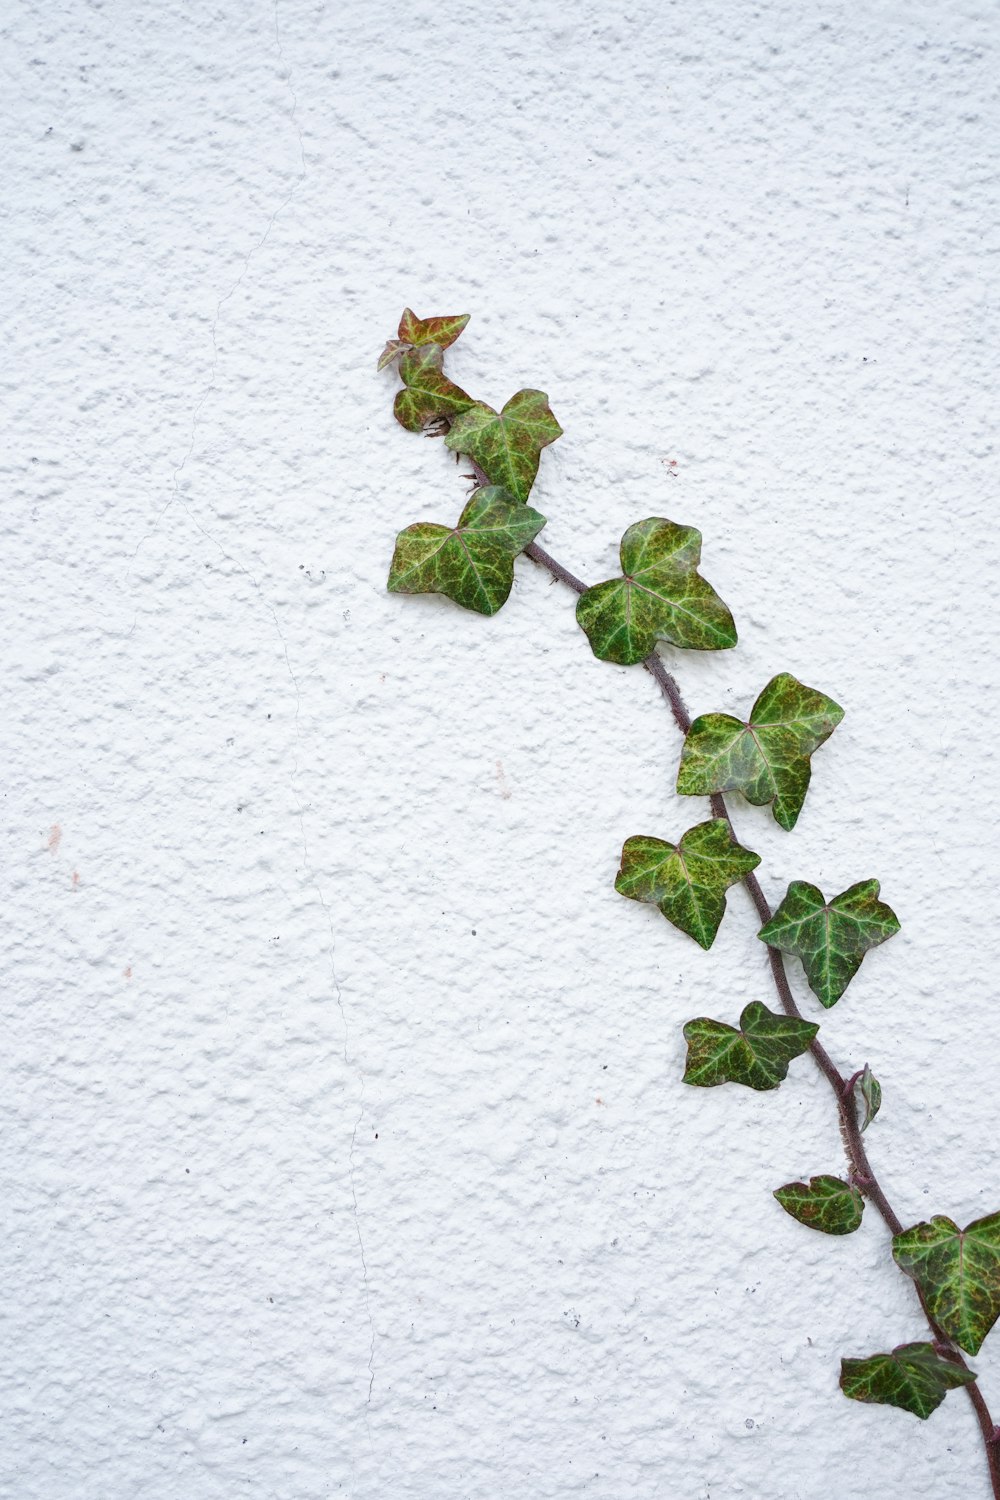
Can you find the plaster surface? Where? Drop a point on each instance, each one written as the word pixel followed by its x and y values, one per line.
pixel 344 1147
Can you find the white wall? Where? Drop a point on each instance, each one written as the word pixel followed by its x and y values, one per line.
pixel 345 1150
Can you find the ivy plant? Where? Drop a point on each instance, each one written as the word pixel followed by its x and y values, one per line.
pixel 687 880
pixel 661 597
pixel 471 562
pixel 830 937
pixel 824 1203
pixel 767 758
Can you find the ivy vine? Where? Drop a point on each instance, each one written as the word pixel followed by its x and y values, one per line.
pixel 661 596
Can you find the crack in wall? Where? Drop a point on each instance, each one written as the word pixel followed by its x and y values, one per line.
pixel 361 1248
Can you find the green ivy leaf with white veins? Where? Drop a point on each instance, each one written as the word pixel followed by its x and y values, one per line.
pixel 507 445
pixel 914 1377
pixel 824 1203
pixel 830 937
pixel 660 597
pixel 473 562
pixel 427 392
pixel 958 1273
pixel 767 757
pixel 757 1055
pixel 688 880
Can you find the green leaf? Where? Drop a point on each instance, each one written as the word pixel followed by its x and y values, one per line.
pixel 913 1376
pixel 757 1055
pixel 427 393
pixel 473 562
pixel 440 331
pixel 871 1093
pixel 687 881
pixel 661 597
pixel 824 1203
pixel 506 446
pixel 958 1273
pixel 766 758
pixel 830 937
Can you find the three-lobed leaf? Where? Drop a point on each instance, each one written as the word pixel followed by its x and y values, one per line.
pixel 506 445
pixel 757 1055
pixel 958 1273
pixel 914 1377
pixel 442 331
pixel 688 880
pixel 427 392
pixel 661 596
pixel 767 757
pixel 830 937
pixel 823 1203
pixel 414 331
pixel 473 562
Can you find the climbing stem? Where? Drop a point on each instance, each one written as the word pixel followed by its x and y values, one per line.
pixel 862 1173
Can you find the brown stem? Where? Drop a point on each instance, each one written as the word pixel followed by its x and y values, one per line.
pixel 539 555
pixel 843 1088
pixel 990 1432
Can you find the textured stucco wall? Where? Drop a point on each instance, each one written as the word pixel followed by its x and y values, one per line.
pixel 344 1149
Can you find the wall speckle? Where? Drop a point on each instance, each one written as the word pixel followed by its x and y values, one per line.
pixel 344 1145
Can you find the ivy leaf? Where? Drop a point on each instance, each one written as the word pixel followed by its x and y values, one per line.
pixel 830 937
pixel 506 445
pixel 913 1376
pixel 824 1203
pixel 440 331
pixel 661 597
pixel 687 881
pixel 427 392
pixel 757 1055
pixel 393 349
pixel 766 758
pixel 414 332
pixel 871 1093
pixel 473 562
pixel 958 1273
